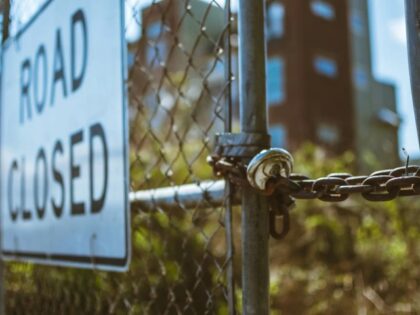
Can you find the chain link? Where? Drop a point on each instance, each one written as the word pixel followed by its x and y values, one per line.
pixel 179 82
pixel 381 185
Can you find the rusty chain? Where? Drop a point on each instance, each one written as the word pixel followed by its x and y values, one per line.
pixel 383 185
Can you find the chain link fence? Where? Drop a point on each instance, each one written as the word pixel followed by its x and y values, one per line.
pixel 179 86
pixel 186 229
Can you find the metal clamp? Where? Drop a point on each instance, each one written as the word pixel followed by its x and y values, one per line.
pixel 240 145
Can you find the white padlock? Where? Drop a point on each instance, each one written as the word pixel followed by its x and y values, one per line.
pixel 267 164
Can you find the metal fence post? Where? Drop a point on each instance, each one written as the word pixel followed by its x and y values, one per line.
pixel 230 251
pixel 255 227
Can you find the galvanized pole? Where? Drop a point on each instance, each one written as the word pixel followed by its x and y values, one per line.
pixel 253 112
pixel 230 250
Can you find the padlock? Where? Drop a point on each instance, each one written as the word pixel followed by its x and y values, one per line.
pixel 268 164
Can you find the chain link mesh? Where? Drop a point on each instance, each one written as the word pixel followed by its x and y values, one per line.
pixel 348 258
pixel 177 89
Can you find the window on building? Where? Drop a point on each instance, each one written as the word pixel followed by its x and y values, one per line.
pixel 325 66
pixel 323 9
pixel 328 133
pixel 154 30
pixel 357 23
pixel 276 77
pixel 360 78
pixel 131 59
pixel 278 136
pixel 388 117
pixel 275 20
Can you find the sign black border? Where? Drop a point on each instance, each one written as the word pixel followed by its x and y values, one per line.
pixel 85 261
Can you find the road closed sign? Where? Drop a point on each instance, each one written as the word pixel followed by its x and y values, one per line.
pixel 64 178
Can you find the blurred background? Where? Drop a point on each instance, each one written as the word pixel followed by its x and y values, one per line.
pixel 341 68
pixel 338 97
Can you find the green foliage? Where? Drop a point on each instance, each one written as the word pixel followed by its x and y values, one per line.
pixel 171 273
pixel 354 257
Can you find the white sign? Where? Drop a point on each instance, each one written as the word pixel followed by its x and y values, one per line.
pixel 64 174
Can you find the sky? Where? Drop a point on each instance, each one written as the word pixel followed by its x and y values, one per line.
pixel 389 49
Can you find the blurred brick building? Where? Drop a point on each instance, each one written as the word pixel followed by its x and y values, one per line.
pixel 320 82
pixel 320 86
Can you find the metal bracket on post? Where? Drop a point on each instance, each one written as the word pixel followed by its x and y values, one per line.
pixel 240 145
pixel 230 151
